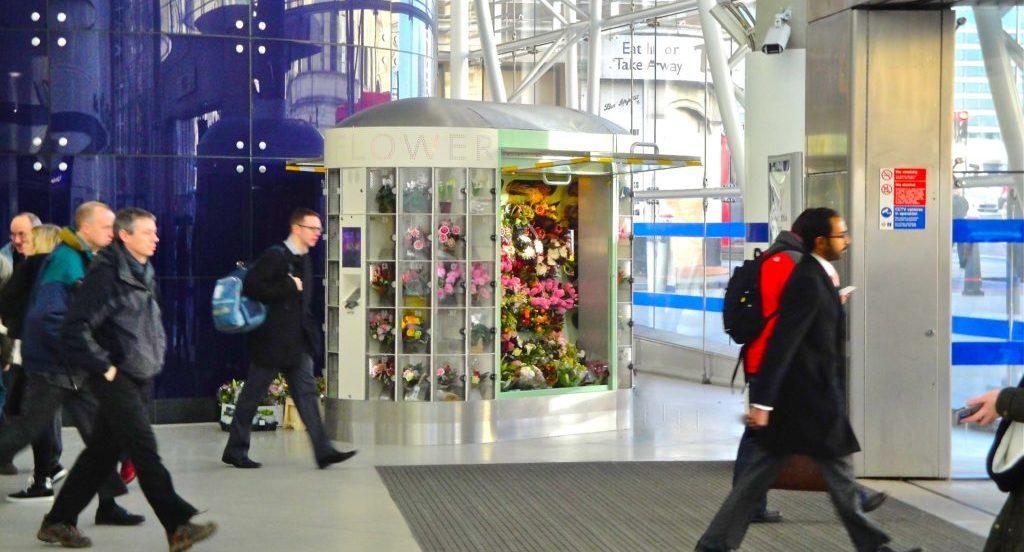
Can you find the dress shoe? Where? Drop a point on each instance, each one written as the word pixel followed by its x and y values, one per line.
pixel 116 515
pixel 334 458
pixel 245 463
pixel 767 516
pixel 872 502
pixel 59 472
pixel 887 548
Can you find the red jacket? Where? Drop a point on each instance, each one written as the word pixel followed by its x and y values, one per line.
pixel 775 272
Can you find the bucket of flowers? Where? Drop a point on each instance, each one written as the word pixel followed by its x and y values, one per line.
pixel 415 337
pixel 481 284
pixel 383 372
pixel 483 382
pixel 449 383
pixel 596 373
pixel 417 243
pixel 382 279
pixel 449 235
pixel 416 286
pixel 382 329
pixel 415 383
pixel 449 283
pixel 416 195
pixel 481 334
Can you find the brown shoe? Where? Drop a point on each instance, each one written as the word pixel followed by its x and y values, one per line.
pixel 64 534
pixel 190 533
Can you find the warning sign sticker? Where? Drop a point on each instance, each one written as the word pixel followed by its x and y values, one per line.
pixel 903 198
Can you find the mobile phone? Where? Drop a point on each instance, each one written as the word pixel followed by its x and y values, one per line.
pixel 966 412
pixel 847 290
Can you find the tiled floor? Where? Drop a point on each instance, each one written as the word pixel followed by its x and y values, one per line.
pixel 289 505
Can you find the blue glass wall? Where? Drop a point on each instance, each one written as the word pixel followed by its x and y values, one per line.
pixel 189 108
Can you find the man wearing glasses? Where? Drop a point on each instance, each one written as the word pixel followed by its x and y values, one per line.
pixel 286 342
pixel 798 400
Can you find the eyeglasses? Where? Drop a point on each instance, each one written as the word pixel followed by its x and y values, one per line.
pixel 842 236
pixel 316 229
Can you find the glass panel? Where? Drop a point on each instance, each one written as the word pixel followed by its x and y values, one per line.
pixel 450 283
pixel 333 241
pixel 450 378
pixel 380 237
pixel 625 238
pixel 450 331
pixel 414 372
pixel 333 284
pixel 380 331
pixel 482 192
pixel 224 17
pixel 624 277
pixel 332 331
pixel 625 324
pixel 23 86
pixel 481 284
pixel 481 331
pixel 481 376
pixel 481 238
pixel 451 237
pixel 414 283
pixel 415 238
pixel 416 331
pixel 416 190
pixel 381 378
pixel 380 198
pixel 451 191
pixel 382 284
pixel 23 14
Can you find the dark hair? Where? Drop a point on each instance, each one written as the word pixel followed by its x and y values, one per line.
pixel 814 223
pixel 126 218
pixel 301 213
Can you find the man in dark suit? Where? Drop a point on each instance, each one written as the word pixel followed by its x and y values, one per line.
pixel 286 342
pixel 798 402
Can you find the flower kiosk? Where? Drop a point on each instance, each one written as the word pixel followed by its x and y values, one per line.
pixel 479 272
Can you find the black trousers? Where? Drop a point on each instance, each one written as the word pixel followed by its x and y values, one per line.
pixel 730 524
pixel 122 425
pixel 39 424
pixel 303 389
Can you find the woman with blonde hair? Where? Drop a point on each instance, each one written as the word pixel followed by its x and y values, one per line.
pixel 45 238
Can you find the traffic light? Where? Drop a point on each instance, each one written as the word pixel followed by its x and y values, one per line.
pixel 960 126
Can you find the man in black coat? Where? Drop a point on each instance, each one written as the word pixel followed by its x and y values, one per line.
pixel 798 402
pixel 286 342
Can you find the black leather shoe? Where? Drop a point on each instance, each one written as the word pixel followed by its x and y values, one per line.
pixel 873 502
pixel 117 516
pixel 334 458
pixel 887 548
pixel 245 463
pixel 767 516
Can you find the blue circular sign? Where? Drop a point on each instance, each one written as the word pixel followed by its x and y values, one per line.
pixel 886 212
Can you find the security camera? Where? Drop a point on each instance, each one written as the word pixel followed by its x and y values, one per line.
pixel 777 39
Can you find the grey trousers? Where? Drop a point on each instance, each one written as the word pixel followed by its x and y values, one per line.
pixel 730 524
pixel 302 386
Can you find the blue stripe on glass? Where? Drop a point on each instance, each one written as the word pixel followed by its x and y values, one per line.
pixel 674 301
pixel 988 231
pixel 987 354
pixel 756 232
pixel 987 327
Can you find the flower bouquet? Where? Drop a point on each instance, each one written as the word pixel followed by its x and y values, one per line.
pixel 417 243
pixel 382 329
pixel 449 283
pixel 415 383
pixel 415 282
pixel 416 195
pixel 596 373
pixel 386 194
pixel 484 383
pixel 448 383
pixel 449 234
pixel 383 371
pixel 415 337
pixel 481 335
pixel 382 279
pixel 481 284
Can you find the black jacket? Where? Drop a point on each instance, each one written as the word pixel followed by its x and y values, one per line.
pixel 16 293
pixel 114 319
pixel 289 330
pixel 803 375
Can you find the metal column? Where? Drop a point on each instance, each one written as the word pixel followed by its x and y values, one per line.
pixel 460 50
pixel 724 89
pixel 492 65
pixel 594 60
pixel 572 65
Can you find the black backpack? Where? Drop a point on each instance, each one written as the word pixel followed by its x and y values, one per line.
pixel 742 315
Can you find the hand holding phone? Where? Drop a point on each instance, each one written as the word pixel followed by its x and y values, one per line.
pixel 966 412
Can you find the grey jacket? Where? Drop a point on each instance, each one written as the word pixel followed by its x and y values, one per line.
pixel 115 320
